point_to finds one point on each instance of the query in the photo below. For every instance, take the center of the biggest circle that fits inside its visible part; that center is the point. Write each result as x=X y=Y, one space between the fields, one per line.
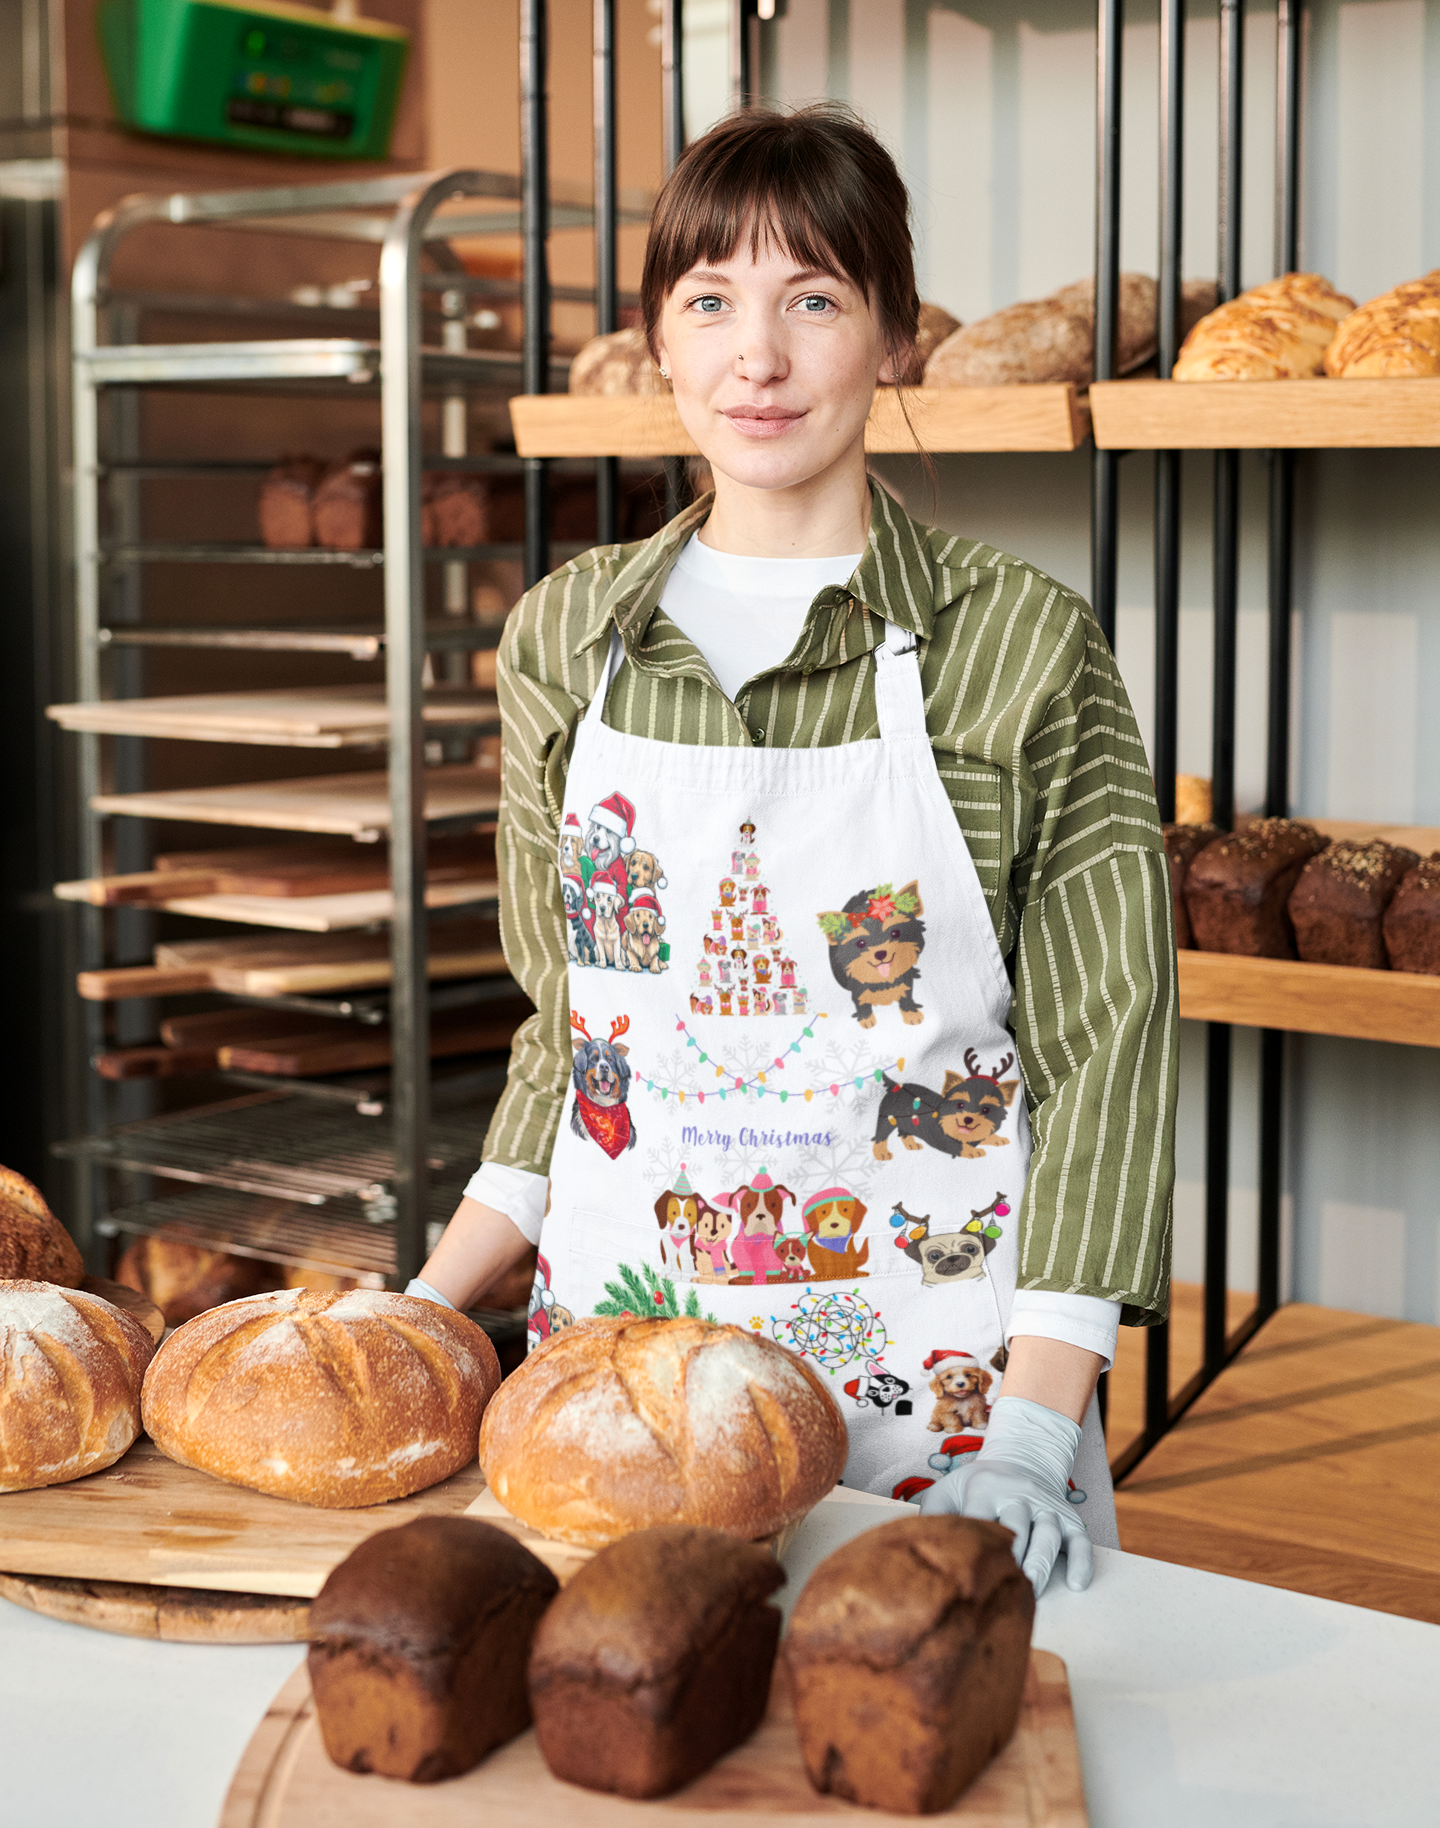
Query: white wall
x=989 y=106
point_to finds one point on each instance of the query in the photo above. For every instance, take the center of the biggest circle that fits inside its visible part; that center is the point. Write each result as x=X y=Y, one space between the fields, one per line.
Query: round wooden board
x=176 y=1615
x=137 y=1306
x=285 y=1780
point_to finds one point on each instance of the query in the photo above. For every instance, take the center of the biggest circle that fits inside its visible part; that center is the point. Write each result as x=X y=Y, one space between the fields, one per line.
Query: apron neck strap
x=899 y=692
x=595 y=712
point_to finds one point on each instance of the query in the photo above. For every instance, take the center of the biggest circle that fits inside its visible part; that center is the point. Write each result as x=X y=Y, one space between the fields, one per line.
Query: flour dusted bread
x=419 y=1643
x=618 y=363
x=33 y=1242
x=1395 y=334
x=332 y=1399
x=184 y=1280
x=70 y=1371
x=908 y=1652
x=655 y=1660
x=1275 y=332
x=619 y=1425
x=1338 y=903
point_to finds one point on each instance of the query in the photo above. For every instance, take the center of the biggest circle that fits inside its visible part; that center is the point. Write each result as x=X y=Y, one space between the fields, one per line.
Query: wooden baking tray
x=296 y=717
x=345 y=805
x=175 y=1615
x=284 y=1779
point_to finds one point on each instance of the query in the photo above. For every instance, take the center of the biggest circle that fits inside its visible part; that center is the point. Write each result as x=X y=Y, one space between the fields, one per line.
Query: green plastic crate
x=264 y=76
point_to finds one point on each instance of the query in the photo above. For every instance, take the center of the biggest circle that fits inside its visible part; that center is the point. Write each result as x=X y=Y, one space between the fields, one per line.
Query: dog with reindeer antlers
x=963 y=1118
x=600 y=1073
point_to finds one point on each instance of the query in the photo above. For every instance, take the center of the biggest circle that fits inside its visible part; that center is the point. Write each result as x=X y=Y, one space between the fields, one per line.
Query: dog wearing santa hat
x=644 y=924
x=959 y=1386
x=610 y=833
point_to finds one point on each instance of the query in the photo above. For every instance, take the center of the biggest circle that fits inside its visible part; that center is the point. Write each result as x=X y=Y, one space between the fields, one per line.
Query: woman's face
x=774 y=365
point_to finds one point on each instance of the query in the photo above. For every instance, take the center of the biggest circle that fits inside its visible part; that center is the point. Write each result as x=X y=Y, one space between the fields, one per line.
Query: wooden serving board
x=325 y=913
x=130 y=1301
x=285 y=1780
x=347 y=805
x=176 y=1615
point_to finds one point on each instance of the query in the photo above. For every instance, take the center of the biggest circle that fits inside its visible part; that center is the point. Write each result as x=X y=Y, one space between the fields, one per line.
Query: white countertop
x=1200 y=1703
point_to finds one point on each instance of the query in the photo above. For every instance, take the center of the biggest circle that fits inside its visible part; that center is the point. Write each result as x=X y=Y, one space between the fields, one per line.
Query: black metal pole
x=1222 y=767
x=744 y=52
x=672 y=76
x=535 y=285
x=1288 y=27
x=607 y=300
x=1105 y=465
x=1167 y=537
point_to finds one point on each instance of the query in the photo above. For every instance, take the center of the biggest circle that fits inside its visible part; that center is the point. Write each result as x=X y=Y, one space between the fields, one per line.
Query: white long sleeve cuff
x=516 y=1192
x=1086 y=1321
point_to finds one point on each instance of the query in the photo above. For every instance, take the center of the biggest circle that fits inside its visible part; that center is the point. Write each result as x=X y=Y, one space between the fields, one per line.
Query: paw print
x=756 y=1323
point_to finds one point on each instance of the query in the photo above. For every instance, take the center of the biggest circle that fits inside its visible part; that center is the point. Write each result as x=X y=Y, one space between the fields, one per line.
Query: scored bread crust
x=70 y=1371
x=619 y=1425
x=33 y=1242
x=337 y=1400
x=1275 y=332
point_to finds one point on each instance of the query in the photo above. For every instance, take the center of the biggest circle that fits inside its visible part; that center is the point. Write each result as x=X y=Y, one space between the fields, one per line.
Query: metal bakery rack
x=345 y=1174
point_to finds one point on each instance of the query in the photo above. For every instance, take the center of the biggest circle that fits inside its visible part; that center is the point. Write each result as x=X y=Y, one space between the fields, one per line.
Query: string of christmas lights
x=756 y=1083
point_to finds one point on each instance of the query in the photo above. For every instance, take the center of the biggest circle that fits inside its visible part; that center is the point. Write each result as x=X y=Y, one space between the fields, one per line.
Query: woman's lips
x=761 y=422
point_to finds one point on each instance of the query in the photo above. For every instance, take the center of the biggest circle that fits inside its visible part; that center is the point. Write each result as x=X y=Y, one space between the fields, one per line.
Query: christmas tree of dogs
x=743 y=969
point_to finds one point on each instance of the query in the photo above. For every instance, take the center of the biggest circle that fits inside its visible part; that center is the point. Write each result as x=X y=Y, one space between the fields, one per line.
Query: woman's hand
x=475 y=1250
x=1020 y=1477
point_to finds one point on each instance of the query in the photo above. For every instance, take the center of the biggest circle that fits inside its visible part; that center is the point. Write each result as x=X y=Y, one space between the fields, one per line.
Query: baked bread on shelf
x=454 y=509
x=908 y=1652
x=1194 y=799
x=1395 y=334
x=1338 y=904
x=619 y=1425
x=33 y=1242
x=617 y=363
x=1183 y=844
x=419 y=1643
x=655 y=1660
x=333 y=1400
x=184 y=1280
x=70 y=1372
x=1275 y=332
x=347 y=507
x=1053 y=339
x=287 y=502
x=932 y=327
x=1412 y=920
x=1238 y=888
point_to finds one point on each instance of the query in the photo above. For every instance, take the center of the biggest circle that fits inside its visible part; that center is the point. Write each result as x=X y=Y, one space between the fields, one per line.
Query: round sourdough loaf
x=70 y=1371
x=618 y=1425
x=33 y=1242
x=332 y=1399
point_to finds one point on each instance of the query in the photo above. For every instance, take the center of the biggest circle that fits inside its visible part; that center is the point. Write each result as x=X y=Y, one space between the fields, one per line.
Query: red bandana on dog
x=609 y=1124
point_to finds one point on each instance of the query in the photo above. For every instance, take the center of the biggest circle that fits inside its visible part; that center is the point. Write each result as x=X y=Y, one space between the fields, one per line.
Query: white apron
x=795 y=1104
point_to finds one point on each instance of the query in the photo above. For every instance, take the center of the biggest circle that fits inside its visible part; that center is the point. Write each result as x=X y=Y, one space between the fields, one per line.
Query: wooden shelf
x=347 y=805
x=306 y=913
x=1264 y=415
x=339 y=717
x=1038 y=418
x=1310 y=999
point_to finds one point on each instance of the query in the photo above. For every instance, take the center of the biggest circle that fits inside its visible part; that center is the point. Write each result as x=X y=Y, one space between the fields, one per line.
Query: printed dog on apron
x=795 y=1104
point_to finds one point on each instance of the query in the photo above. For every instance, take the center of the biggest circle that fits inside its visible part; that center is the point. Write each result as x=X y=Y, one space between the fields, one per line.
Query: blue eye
x=815 y=303
x=710 y=304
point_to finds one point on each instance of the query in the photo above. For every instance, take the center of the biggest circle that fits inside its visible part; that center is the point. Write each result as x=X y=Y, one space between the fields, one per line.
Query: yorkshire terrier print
x=875 y=944
x=963 y=1118
x=601 y=1077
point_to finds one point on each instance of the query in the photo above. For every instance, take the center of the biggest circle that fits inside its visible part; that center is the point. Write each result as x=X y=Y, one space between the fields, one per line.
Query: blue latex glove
x=426 y=1292
x=1020 y=1478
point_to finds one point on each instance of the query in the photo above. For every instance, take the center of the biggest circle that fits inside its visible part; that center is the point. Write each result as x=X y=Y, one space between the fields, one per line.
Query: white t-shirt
x=745 y=616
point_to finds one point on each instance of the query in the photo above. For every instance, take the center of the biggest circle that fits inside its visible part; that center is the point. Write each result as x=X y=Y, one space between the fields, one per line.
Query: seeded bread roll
x=1338 y=904
x=287 y=502
x=419 y=1643
x=1395 y=334
x=1237 y=889
x=655 y=1660
x=70 y=1371
x=1275 y=332
x=184 y=1280
x=334 y=1400
x=908 y=1652
x=347 y=507
x=33 y=1242
x=1412 y=921
x=1183 y=843
x=619 y=1425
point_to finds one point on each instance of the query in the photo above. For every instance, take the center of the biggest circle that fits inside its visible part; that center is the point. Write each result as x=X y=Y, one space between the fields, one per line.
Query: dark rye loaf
x=1183 y=844
x=1338 y=904
x=1237 y=891
x=1412 y=921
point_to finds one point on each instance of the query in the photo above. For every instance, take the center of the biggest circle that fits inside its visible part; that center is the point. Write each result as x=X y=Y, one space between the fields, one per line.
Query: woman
x=866 y=804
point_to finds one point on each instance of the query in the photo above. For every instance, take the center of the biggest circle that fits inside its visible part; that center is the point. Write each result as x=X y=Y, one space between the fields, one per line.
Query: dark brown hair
x=816 y=181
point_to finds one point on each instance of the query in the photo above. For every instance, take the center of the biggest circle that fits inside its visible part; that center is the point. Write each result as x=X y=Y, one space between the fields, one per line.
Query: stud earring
x=664 y=374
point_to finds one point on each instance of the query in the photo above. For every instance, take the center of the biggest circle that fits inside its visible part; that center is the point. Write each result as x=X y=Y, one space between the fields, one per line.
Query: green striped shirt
x=1040 y=757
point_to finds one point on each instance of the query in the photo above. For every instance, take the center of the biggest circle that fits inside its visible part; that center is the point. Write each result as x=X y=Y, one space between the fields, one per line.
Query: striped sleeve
x=1096 y=1012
